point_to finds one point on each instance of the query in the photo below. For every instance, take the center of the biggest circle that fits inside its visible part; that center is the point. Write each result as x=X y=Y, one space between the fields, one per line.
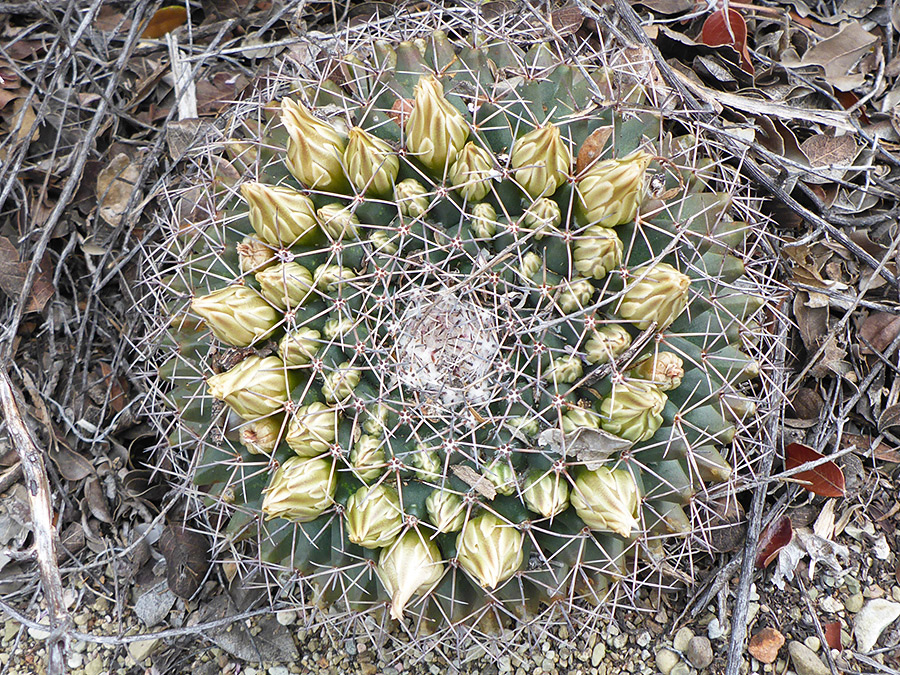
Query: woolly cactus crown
x=456 y=334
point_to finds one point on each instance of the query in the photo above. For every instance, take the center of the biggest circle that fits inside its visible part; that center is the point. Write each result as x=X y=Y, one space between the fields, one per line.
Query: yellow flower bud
x=412 y=566
x=427 y=464
x=542 y=160
x=254 y=388
x=371 y=164
x=579 y=418
x=384 y=241
x=472 y=171
x=530 y=266
x=338 y=385
x=633 y=410
x=490 y=549
x=484 y=221
x=298 y=347
x=280 y=215
x=656 y=293
x=374 y=516
x=330 y=278
x=412 y=198
x=254 y=255
x=375 y=420
x=543 y=215
x=606 y=343
x=315 y=149
x=338 y=221
x=286 y=285
x=312 y=429
x=664 y=369
x=610 y=191
x=575 y=296
x=546 y=493
x=237 y=315
x=606 y=500
x=338 y=327
x=301 y=490
x=597 y=251
x=261 y=436
x=503 y=476
x=367 y=458
x=565 y=370
x=446 y=511
x=435 y=131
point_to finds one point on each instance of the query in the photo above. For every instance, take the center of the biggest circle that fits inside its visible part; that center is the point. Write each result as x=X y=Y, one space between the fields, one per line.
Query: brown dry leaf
x=474 y=480
x=889 y=418
x=592 y=149
x=840 y=54
x=829 y=156
x=12 y=277
x=218 y=91
x=96 y=500
x=165 y=20
x=72 y=466
x=811 y=321
x=116 y=388
x=878 y=331
x=115 y=184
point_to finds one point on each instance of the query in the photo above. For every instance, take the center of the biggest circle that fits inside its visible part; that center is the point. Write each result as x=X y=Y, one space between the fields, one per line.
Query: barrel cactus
x=456 y=334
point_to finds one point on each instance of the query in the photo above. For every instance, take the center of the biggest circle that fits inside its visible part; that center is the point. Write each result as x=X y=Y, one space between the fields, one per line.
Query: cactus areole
x=393 y=316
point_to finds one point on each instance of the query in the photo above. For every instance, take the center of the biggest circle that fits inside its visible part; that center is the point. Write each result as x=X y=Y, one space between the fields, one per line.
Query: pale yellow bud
x=597 y=251
x=254 y=388
x=503 y=476
x=261 y=436
x=546 y=493
x=472 y=171
x=286 y=285
x=541 y=160
x=446 y=511
x=384 y=241
x=565 y=370
x=436 y=131
x=664 y=369
x=374 y=516
x=484 y=221
x=254 y=255
x=412 y=198
x=375 y=420
x=315 y=149
x=312 y=429
x=575 y=296
x=427 y=464
x=579 y=418
x=610 y=191
x=543 y=216
x=606 y=343
x=337 y=327
x=338 y=385
x=412 y=566
x=301 y=490
x=656 y=293
x=367 y=457
x=530 y=266
x=633 y=410
x=280 y=215
x=489 y=549
x=237 y=315
x=606 y=500
x=338 y=221
x=371 y=163
x=298 y=347
x=330 y=278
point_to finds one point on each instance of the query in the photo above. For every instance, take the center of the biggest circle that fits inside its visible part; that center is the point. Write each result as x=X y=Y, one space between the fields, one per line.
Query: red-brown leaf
x=717 y=30
x=774 y=538
x=826 y=479
x=833 y=635
x=165 y=20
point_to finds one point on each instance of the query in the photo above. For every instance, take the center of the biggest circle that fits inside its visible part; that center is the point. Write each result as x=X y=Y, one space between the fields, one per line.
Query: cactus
x=407 y=305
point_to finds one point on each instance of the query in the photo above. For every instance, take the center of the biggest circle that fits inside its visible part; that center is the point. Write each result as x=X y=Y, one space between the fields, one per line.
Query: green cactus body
x=435 y=302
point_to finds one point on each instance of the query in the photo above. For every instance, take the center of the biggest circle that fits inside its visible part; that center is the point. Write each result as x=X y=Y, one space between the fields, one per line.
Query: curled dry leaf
x=826 y=479
x=775 y=537
x=165 y=20
x=591 y=446
x=727 y=27
x=187 y=559
x=115 y=185
x=592 y=149
x=878 y=331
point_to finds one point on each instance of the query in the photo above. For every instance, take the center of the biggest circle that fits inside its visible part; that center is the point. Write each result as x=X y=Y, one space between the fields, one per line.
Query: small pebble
x=286 y=617
x=666 y=660
x=805 y=660
x=813 y=643
x=854 y=602
x=681 y=668
x=598 y=654
x=699 y=652
x=715 y=630
x=870 y=622
x=682 y=637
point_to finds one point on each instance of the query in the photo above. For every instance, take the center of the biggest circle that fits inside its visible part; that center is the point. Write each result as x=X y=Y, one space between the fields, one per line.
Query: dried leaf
x=593 y=447
x=878 y=331
x=592 y=148
x=115 y=184
x=12 y=278
x=164 y=20
x=890 y=417
x=840 y=53
x=71 y=465
x=96 y=500
x=187 y=559
x=829 y=156
x=881 y=452
x=475 y=480
x=774 y=538
x=832 y=632
x=825 y=479
x=731 y=29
